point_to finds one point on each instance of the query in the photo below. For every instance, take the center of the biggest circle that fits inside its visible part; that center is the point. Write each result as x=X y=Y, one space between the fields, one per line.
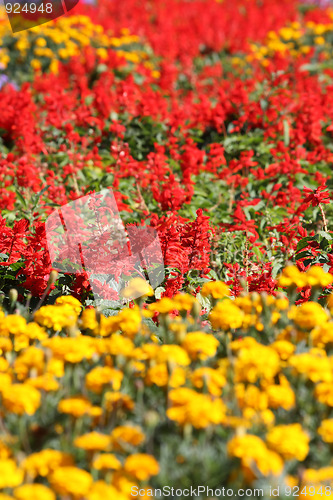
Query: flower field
x=212 y=123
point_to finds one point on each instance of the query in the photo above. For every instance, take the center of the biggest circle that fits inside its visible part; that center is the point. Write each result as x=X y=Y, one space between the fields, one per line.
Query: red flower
x=317 y=196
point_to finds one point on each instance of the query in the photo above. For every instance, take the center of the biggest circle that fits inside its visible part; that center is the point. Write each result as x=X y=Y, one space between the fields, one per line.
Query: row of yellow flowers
x=88 y=401
x=45 y=46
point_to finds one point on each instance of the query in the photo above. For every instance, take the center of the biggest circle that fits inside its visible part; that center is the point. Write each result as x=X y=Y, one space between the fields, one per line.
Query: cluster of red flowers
x=202 y=148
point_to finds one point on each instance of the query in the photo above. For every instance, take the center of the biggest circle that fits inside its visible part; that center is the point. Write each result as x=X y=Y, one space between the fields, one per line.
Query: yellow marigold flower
x=55 y=367
x=21 y=342
x=290 y=441
x=5 y=381
x=3 y=496
x=93 y=441
x=44 y=382
x=10 y=474
x=259 y=417
x=129 y=321
x=200 y=345
x=324 y=393
x=103 y=491
x=118 y=400
x=215 y=289
x=163 y=306
x=284 y=348
x=102 y=53
x=280 y=396
x=44 y=462
x=308 y=315
x=77 y=406
x=251 y=450
x=126 y=434
x=118 y=345
x=326 y=430
x=200 y=410
x=184 y=301
x=6 y=345
x=137 y=287
x=56 y=317
x=32 y=359
x=88 y=320
x=159 y=375
x=251 y=397
x=35 y=332
x=314 y=364
x=172 y=354
x=71 y=301
x=73 y=350
x=316 y=276
x=322 y=335
x=12 y=325
x=255 y=361
x=34 y=492
x=4 y=364
x=226 y=315
x=141 y=466
x=214 y=380
x=291 y=276
x=324 y=474
x=40 y=42
x=5 y=452
x=103 y=375
x=35 y=63
x=106 y=461
x=71 y=481
x=21 y=398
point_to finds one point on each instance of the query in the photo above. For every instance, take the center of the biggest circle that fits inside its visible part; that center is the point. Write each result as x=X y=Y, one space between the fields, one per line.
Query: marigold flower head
x=322 y=335
x=72 y=350
x=129 y=321
x=308 y=315
x=118 y=400
x=70 y=301
x=137 y=287
x=316 y=276
x=326 y=430
x=252 y=450
x=71 y=481
x=226 y=316
x=10 y=474
x=214 y=380
x=33 y=492
x=93 y=441
x=200 y=345
x=141 y=466
x=126 y=434
x=106 y=461
x=255 y=361
x=215 y=289
x=21 y=399
x=314 y=364
x=290 y=441
x=172 y=354
x=76 y=406
x=43 y=462
x=101 y=376
x=291 y=276
x=199 y=410
x=103 y=491
x=56 y=316
x=12 y=324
